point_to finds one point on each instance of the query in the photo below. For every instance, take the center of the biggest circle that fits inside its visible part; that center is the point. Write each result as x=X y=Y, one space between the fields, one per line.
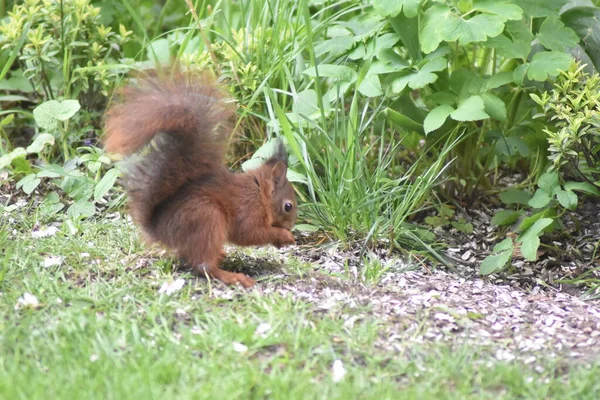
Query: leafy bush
x=573 y=106
x=63 y=50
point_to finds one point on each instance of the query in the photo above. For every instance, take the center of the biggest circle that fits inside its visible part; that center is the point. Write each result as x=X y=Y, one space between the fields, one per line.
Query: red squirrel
x=181 y=195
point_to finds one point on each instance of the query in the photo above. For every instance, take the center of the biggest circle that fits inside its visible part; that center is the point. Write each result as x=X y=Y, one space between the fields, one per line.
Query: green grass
x=103 y=331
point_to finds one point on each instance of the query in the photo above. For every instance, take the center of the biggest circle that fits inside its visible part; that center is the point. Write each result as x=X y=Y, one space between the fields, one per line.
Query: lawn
x=102 y=329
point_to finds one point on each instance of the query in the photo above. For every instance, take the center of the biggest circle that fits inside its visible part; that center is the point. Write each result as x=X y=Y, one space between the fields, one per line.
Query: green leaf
x=496 y=261
x=515 y=196
x=81 y=208
x=29 y=183
x=582 y=187
x=297 y=177
x=541 y=8
x=39 y=143
x=408 y=29
x=501 y=8
x=547 y=63
x=519 y=74
x=50 y=113
x=370 y=86
x=159 y=51
x=540 y=199
x=106 y=183
x=7 y=159
x=391 y=8
x=500 y=79
x=567 y=199
x=436 y=118
x=554 y=35
x=306 y=228
x=548 y=181
x=335 y=46
x=585 y=21
x=340 y=72
x=421 y=78
x=515 y=43
x=494 y=106
x=471 y=109
x=464 y=227
x=530 y=239
x=441 y=24
x=403 y=121
x=506 y=217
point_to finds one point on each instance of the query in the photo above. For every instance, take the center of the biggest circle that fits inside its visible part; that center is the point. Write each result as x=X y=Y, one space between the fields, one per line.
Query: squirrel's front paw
x=285 y=238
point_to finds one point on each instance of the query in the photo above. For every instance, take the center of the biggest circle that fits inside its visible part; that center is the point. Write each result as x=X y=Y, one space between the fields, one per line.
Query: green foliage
x=572 y=108
x=67 y=52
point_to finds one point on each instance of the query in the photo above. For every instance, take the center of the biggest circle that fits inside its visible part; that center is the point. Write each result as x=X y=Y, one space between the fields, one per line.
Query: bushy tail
x=179 y=128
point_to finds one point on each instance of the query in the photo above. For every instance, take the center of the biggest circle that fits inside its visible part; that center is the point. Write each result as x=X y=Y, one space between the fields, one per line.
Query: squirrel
x=181 y=195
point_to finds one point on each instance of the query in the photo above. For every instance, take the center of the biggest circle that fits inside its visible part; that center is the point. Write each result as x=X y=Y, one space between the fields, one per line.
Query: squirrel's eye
x=288 y=207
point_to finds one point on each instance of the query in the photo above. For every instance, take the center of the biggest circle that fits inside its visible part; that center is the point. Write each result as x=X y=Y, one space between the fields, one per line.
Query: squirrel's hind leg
x=229 y=278
x=207 y=252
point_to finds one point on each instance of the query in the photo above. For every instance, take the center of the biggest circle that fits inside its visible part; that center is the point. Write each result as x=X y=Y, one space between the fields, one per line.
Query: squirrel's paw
x=234 y=279
x=285 y=239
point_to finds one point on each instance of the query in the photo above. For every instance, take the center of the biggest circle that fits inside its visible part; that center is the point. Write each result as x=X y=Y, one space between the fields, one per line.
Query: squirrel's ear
x=279 y=172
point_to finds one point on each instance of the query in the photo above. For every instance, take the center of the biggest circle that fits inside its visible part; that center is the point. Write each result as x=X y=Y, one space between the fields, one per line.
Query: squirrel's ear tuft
x=279 y=172
x=279 y=154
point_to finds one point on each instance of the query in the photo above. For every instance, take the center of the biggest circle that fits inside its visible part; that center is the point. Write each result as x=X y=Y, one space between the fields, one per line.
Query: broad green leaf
x=499 y=79
x=296 y=177
x=81 y=208
x=6 y=159
x=541 y=8
x=48 y=114
x=540 y=199
x=440 y=23
x=443 y=98
x=471 y=109
x=548 y=181
x=403 y=121
x=515 y=196
x=506 y=217
x=555 y=36
x=29 y=183
x=494 y=106
x=391 y=8
x=106 y=183
x=430 y=36
x=496 y=261
x=464 y=82
x=39 y=143
x=436 y=118
x=335 y=46
x=421 y=78
x=370 y=86
x=464 y=227
x=306 y=228
x=408 y=29
x=515 y=43
x=13 y=98
x=305 y=103
x=501 y=8
x=585 y=21
x=567 y=199
x=340 y=72
x=519 y=74
x=159 y=51
x=252 y=164
x=547 y=63
x=582 y=187
x=530 y=241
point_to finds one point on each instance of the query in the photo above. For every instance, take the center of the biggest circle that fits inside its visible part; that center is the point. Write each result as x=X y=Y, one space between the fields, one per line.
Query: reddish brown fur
x=180 y=193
